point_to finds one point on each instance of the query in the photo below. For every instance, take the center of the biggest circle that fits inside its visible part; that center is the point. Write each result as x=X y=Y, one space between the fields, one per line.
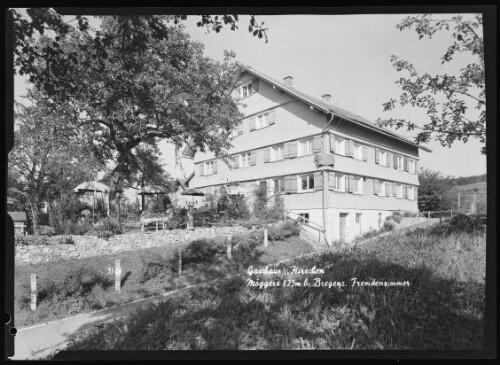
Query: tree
x=144 y=88
x=436 y=192
x=45 y=21
x=447 y=99
x=48 y=157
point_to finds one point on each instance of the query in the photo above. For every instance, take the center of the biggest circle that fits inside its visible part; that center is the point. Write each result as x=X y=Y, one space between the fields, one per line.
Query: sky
x=347 y=56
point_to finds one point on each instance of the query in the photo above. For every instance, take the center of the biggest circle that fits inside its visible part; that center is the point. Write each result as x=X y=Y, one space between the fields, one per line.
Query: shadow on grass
x=432 y=313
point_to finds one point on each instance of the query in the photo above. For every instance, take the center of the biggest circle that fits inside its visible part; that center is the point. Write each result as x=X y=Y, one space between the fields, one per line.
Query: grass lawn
x=70 y=287
x=442 y=308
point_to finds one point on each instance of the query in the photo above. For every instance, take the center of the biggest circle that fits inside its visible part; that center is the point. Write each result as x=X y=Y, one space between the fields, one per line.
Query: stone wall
x=89 y=246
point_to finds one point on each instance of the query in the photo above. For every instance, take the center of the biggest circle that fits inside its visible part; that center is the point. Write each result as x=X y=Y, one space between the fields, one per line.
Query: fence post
x=33 y=292
x=179 y=264
x=440 y=217
x=428 y=214
x=265 y=237
x=118 y=275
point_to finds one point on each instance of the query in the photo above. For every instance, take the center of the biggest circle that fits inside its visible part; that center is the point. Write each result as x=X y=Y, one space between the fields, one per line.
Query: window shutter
x=365 y=153
x=267 y=154
x=292 y=149
x=293 y=183
x=252 y=122
x=286 y=181
x=350 y=148
x=239 y=128
x=405 y=164
x=214 y=170
x=394 y=189
x=332 y=143
x=376 y=186
x=202 y=170
x=377 y=155
x=318 y=180
x=350 y=183
x=395 y=161
x=253 y=158
x=318 y=144
x=271 y=117
x=416 y=167
x=286 y=150
x=415 y=189
x=388 y=188
x=331 y=180
x=255 y=85
x=236 y=161
x=405 y=191
x=389 y=159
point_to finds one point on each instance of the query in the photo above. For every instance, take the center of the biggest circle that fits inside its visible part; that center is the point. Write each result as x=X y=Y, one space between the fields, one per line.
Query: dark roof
x=324 y=106
x=18 y=216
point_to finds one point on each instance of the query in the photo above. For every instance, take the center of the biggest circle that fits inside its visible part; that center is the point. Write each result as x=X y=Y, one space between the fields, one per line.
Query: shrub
x=245 y=247
x=81 y=281
x=283 y=231
x=202 y=250
x=389 y=225
x=46 y=230
x=460 y=223
x=154 y=266
x=105 y=228
x=396 y=217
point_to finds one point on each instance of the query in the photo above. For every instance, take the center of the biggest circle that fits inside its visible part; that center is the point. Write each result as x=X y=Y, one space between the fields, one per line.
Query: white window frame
x=276 y=152
x=382 y=158
x=358 y=151
x=400 y=163
x=382 y=189
x=279 y=185
x=411 y=166
x=340 y=144
x=245 y=90
x=399 y=193
x=309 y=179
x=305 y=147
x=411 y=192
x=262 y=121
x=337 y=178
x=245 y=159
x=208 y=168
x=358 y=185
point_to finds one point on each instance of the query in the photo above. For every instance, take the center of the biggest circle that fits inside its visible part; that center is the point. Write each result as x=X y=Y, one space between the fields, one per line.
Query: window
x=278 y=184
x=306 y=182
x=400 y=163
x=305 y=147
x=411 y=166
x=209 y=168
x=276 y=153
x=358 y=218
x=411 y=192
x=245 y=90
x=382 y=158
x=358 y=185
x=382 y=189
x=358 y=151
x=400 y=191
x=340 y=146
x=262 y=121
x=245 y=159
x=305 y=217
x=339 y=182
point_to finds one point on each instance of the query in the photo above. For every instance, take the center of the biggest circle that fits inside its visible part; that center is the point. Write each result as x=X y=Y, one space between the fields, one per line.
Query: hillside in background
x=465 y=180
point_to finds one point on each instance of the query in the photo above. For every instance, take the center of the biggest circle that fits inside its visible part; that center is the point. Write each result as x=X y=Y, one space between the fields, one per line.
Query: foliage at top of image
x=447 y=99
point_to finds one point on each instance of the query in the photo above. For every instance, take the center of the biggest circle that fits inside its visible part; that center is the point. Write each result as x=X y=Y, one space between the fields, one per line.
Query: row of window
x=338 y=182
x=402 y=163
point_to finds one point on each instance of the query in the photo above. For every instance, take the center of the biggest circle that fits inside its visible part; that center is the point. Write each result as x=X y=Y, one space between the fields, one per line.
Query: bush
x=460 y=223
x=202 y=250
x=104 y=228
x=154 y=266
x=283 y=230
x=81 y=281
x=389 y=225
x=46 y=230
x=396 y=217
x=245 y=247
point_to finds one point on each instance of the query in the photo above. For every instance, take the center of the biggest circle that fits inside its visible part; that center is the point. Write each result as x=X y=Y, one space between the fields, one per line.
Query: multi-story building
x=336 y=169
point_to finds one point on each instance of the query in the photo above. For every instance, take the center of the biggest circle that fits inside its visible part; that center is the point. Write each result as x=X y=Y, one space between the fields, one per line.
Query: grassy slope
x=102 y=296
x=443 y=308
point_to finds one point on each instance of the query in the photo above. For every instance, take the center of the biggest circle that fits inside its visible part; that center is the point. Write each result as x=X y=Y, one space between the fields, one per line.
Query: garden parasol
x=93 y=186
x=192 y=192
x=152 y=190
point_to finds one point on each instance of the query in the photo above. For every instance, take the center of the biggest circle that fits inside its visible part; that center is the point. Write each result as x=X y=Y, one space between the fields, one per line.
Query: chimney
x=288 y=81
x=327 y=98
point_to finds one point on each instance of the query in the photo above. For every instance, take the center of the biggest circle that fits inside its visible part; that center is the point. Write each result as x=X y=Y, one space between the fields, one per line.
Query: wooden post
x=142 y=227
x=265 y=237
x=118 y=276
x=229 y=248
x=179 y=265
x=156 y=226
x=428 y=214
x=33 y=292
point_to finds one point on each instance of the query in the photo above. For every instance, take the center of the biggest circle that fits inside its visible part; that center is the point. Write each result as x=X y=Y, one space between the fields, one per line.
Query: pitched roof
x=18 y=216
x=324 y=106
